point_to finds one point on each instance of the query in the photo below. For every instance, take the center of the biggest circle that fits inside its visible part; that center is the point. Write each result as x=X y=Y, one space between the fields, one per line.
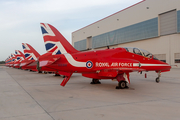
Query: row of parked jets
x=63 y=59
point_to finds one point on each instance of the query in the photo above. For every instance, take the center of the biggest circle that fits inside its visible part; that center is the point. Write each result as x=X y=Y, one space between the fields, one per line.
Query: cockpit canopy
x=141 y=52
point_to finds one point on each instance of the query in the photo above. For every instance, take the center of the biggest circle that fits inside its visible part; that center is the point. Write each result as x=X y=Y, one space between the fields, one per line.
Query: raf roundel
x=89 y=64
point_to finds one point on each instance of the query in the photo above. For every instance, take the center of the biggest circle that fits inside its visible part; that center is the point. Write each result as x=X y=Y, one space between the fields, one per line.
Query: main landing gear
x=95 y=81
x=158 y=78
x=122 y=85
x=123 y=79
x=57 y=74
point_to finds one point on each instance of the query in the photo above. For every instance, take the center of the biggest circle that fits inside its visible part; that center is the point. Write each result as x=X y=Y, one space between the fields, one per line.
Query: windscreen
x=140 y=52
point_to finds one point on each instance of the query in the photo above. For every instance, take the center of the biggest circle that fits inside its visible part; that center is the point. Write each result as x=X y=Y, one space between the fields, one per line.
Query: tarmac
x=28 y=95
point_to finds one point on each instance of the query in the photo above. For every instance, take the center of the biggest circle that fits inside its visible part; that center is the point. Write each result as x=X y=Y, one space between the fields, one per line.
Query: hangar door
x=168 y=22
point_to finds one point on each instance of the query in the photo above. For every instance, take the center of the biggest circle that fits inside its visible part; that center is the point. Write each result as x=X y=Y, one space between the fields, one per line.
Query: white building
x=153 y=25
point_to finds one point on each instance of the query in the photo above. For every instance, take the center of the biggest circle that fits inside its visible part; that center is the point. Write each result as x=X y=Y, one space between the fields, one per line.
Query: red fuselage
x=109 y=61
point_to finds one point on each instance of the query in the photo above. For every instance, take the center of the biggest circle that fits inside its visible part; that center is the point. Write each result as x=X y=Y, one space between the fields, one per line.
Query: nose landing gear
x=158 y=78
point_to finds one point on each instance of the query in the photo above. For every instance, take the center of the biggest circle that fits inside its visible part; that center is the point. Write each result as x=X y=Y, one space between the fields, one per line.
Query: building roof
x=111 y=15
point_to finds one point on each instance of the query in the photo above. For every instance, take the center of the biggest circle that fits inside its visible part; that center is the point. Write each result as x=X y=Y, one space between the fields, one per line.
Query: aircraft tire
x=95 y=81
x=157 y=80
x=122 y=85
x=57 y=75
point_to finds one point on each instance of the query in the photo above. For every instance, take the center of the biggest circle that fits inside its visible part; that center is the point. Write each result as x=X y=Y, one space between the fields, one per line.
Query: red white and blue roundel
x=89 y=64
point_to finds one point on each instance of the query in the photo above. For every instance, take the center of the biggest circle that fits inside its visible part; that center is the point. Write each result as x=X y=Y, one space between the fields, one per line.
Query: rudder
x=29 y=52
x=55 y=41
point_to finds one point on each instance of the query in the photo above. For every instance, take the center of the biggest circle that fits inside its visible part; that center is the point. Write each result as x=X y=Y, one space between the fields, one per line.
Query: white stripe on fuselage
x=136 y=64
x=142 y=64
x=154 y=65
x=73 y=62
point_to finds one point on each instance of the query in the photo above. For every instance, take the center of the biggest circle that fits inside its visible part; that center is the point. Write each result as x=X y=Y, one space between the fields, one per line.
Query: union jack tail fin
x=29 y=52
x=19 y=55
x=13 y=57
x=55 y=41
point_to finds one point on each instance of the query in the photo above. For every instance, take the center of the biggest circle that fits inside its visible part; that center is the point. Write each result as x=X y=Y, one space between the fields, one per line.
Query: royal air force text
x=114 y=64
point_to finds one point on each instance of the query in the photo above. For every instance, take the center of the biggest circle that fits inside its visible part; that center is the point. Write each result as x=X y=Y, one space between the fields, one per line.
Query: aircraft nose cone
x=167 y=67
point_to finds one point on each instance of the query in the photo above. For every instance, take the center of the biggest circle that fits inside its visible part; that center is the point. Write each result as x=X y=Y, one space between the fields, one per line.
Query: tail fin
x=12 y=57
x=29 y=52
x=8 y=59
x=55 y=41
x=19 y=55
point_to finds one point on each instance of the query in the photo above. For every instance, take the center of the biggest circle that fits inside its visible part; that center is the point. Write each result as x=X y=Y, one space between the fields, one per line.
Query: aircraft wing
x=122 y=69
x=107 y=70
x=25 y=63
x=33 y=63
x=113 y=72
x=47 y=62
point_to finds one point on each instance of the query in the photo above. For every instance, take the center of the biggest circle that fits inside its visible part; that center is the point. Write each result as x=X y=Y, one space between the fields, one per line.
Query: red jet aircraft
x=115 y=64
x=11 y=60
x=8 y=60
x=31 y=56
x=19 y=58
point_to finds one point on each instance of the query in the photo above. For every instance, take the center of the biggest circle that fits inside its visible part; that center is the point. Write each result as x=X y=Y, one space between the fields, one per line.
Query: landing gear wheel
x=122 y=85
x=95 y=81
x=157 y=80
x=57 y=75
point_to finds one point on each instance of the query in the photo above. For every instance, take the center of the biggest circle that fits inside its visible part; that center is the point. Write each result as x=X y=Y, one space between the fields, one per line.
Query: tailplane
x=55 y=41
x=29 y=52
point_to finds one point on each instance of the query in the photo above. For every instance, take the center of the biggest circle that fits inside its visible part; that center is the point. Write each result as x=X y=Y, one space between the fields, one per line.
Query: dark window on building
x=177 y=60
x=177 y=57
x=161 y=57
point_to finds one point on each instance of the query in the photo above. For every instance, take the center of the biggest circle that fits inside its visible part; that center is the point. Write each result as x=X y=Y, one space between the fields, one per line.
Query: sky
x=20 y=19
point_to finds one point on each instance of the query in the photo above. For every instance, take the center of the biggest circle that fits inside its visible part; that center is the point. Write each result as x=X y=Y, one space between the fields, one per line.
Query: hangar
x=153 y=25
